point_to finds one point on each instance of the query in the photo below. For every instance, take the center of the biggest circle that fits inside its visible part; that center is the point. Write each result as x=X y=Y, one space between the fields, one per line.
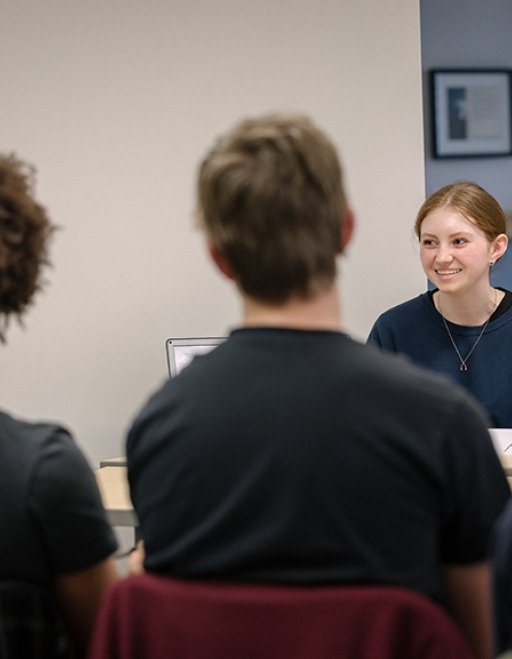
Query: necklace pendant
x=463 y=365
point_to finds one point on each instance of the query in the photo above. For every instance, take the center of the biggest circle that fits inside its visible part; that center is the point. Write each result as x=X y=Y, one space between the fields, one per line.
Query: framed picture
x=471 y=112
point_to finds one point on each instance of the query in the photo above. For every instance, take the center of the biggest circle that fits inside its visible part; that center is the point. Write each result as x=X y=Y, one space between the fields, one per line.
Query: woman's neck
x=469 y=310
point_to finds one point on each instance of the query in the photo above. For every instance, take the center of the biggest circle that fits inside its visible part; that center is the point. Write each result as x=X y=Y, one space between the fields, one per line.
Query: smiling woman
x=463 y=325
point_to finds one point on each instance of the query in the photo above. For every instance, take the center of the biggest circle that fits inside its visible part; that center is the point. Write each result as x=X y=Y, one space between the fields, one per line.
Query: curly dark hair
x=25 y=232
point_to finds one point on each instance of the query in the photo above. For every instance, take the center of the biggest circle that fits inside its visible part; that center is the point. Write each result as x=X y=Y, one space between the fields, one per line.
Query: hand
x=136 y=559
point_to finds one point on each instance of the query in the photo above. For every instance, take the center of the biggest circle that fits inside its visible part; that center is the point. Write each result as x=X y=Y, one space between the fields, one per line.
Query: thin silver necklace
x=464 y=362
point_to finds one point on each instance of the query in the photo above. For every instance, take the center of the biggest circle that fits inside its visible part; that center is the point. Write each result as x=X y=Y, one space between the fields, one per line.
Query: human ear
x=220 y=261
x=347 y=229
x=498 y=247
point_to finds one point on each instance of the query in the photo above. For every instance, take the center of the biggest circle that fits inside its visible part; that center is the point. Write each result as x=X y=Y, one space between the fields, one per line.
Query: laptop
x=502 y=440
x=181 y=351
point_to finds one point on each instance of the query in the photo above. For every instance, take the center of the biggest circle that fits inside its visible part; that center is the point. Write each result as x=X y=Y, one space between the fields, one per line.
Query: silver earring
x=491 y=263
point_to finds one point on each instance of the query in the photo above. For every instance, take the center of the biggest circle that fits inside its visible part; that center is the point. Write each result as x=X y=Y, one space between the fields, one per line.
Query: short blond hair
x=271 y=200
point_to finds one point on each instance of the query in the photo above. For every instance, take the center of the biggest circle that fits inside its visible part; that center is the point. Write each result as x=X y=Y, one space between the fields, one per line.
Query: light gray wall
x=116 y=101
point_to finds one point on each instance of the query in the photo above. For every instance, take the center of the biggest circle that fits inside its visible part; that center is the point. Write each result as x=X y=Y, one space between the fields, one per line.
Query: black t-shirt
x=51 y=515
x=289 y=456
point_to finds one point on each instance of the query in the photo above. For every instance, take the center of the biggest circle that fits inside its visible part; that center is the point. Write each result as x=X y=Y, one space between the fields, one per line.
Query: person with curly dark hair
x=25 y=231
x=55 y=533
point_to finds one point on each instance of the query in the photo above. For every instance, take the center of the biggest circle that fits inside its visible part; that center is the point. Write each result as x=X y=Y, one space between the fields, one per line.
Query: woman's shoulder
x=409 y=318
x=407 y=309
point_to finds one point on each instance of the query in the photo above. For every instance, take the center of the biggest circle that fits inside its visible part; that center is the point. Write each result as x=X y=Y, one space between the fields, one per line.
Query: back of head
x=472 y=201
x=271 y=201
x=24 y=233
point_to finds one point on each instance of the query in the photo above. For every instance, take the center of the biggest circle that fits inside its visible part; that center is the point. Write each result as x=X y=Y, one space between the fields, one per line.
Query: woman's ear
x=499 y=247
x=220 y=261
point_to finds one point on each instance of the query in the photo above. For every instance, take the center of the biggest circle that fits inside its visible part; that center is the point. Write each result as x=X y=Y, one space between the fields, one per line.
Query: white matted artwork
x=471 y=112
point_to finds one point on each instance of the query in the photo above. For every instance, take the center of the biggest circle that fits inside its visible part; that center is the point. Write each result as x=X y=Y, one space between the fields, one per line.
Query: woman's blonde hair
x=472 y=201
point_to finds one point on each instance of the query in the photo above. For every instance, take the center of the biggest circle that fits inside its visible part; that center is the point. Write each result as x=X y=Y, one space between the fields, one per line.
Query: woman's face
x=455 y=253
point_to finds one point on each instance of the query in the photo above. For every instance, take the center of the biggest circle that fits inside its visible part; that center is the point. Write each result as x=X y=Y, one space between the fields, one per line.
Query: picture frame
x=471 y=113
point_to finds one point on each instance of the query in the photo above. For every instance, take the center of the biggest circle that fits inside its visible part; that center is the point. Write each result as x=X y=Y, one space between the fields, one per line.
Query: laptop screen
x=502 y=440
x=181 y=351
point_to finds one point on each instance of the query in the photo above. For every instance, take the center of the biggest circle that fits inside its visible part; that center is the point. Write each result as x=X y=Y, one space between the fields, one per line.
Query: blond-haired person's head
x=271 y=202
